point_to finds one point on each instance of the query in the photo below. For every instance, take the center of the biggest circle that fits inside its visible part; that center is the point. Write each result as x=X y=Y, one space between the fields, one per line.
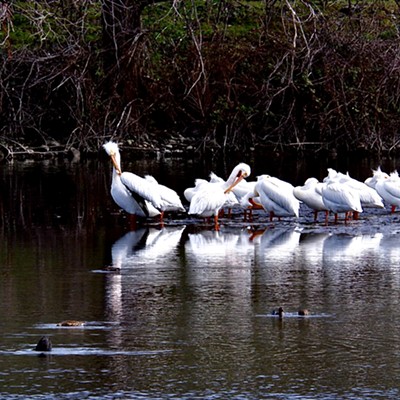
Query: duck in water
x=303 y=312
x=44 y=344
x=278 y=312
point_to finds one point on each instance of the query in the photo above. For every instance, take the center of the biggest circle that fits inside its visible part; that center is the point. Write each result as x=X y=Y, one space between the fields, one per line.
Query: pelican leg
x=315 y=215
x=336 y=218
x=326 y=217
x=250 y=213
x=162 y=219
x=392 y=210
x=356 y=215
x=216 y=224
x=271 y=216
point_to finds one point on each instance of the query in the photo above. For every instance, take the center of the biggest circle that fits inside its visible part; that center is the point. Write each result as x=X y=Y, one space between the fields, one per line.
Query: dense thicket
x=224 y=73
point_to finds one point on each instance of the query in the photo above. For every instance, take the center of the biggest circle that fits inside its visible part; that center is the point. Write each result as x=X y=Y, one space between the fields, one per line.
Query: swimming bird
x=139 y=196
x=303 y=312
x=276 y=197
x=311 y=195
x=44 y=344
x=278 y=312
x=211 y=196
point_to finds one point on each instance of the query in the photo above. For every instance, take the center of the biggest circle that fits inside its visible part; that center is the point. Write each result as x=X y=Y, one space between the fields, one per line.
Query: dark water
x=189 y=313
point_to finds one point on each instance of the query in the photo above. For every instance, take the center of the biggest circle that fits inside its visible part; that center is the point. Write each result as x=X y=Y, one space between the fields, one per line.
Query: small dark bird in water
x=44 y=344
x=278 y=312
x=304 y=312
x=70 y=322
x=111 y=268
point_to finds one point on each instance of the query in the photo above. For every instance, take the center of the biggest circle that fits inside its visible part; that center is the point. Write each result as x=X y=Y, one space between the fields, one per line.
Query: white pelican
x=376 y=175
x=389 y=189
x=170 y=199
x=190 y=192
x=211 y=196
x=134 y=194
x=244 y=193
x=369 y=197
x=249 y=201
x=339 y=197
x=276 y=197
x=231 y=200
x=311 y=195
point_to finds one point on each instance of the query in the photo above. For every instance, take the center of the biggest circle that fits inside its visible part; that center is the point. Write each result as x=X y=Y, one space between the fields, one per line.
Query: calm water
x=189 y=313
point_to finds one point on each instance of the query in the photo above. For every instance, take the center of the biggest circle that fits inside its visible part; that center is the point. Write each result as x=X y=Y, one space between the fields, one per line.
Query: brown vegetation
x=304 y=75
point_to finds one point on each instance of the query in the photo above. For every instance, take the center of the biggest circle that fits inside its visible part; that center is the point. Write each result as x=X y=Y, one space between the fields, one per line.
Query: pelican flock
x=144 y=197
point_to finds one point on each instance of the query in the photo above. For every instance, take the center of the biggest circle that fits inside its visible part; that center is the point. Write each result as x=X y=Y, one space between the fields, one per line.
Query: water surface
x=187 y=311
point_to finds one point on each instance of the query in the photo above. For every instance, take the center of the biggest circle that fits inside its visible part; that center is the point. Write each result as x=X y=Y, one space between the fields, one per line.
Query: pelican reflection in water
x=142 y=248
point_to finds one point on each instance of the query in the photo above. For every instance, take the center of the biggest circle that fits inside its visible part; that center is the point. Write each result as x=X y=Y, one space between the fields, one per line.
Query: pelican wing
x=312 y=197
x=170 y=199
x=280 y=194
x=393 y=188
x=339 y=198
x=139 y=187
x=208 y=200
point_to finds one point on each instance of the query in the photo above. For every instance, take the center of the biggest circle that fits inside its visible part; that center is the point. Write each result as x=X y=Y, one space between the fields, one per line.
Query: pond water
x=188 y=313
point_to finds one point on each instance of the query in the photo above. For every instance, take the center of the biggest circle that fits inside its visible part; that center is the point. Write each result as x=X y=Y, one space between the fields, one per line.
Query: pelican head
x=112 y=150
x=240 y=172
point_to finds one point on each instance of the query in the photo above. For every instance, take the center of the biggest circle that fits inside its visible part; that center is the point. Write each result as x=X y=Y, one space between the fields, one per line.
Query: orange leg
x=162 y=219
x=393 y=209
x=216 y=224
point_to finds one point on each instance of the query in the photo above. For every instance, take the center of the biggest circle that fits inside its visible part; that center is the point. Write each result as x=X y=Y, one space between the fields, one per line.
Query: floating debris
x=71 y=322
